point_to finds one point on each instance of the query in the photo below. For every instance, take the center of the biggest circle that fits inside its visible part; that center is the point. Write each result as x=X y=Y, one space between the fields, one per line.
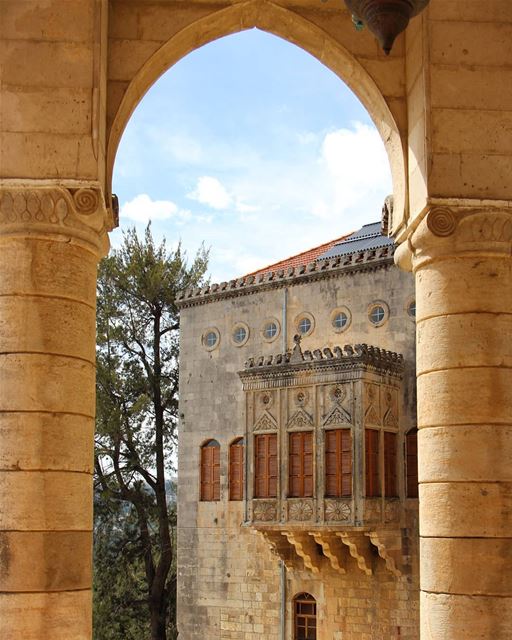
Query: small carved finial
x=338 y=352
x=386 y=222
x=317 y=354
x=349 y=350
x=328 y=353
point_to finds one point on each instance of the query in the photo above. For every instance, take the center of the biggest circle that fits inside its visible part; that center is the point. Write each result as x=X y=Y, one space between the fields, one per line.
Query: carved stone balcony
x=323 y=455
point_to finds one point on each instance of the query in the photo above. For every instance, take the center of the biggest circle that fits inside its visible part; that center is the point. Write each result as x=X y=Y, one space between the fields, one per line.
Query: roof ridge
x=277 y=265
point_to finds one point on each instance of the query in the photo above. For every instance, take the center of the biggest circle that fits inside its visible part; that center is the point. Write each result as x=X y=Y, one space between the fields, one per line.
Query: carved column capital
x=51 y=209
x=465 y=230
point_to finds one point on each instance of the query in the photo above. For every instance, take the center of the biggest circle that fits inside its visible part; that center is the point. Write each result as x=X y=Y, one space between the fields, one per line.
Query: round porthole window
x=411 y=309
x=211 y=339
x=240 y=334
x=271 y=329
x=341 y=319
x=305 y=324
x=378 y=313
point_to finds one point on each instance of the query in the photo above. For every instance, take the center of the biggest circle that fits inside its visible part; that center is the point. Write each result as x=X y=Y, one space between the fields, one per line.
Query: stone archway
x=290 y=26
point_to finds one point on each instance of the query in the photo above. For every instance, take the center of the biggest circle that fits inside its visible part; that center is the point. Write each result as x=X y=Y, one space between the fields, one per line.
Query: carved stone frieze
x=371 y=405
x=301 y=419
x=266 y=422
x=301 y=511
x=46 y=209
x=264 y=511
x=390 y=408
x=336 y=416
x=338 y=510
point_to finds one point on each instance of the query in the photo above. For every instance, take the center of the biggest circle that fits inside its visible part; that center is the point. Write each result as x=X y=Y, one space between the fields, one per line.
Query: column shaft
x=47 y=407
x=464 y=358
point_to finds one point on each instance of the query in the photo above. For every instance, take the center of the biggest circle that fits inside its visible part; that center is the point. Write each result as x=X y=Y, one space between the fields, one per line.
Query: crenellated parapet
x=364 y=260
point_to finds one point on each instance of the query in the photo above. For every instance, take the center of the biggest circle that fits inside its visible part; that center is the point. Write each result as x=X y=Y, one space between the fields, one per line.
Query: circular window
x=305 y=324
x=378 y=313
x=341 y=319
x=411 y=309
x=211 y=338
x=240 y=334
x=271 y=329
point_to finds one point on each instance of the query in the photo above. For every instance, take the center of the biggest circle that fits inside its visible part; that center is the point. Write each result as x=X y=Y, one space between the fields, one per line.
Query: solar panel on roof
x=368 y=237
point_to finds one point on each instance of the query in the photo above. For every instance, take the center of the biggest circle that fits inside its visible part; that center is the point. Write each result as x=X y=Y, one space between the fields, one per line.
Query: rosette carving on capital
x=48 y=209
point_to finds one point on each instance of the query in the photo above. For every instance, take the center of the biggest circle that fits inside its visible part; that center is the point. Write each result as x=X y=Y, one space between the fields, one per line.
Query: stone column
x=51 y=238
x=462 y=260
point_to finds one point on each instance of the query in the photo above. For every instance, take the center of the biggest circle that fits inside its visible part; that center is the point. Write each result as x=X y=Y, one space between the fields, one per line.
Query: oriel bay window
x=210 y=471
x=236 y=469
x=265 y=466
x=338 y=463
x=300 y=465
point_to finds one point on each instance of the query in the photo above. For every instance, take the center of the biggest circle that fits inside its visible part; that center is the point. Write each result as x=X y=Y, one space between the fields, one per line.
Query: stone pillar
x=462 y=260
x=51 y=237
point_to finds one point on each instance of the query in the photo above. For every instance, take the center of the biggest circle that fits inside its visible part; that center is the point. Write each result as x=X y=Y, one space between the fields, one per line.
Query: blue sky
x=254 y=147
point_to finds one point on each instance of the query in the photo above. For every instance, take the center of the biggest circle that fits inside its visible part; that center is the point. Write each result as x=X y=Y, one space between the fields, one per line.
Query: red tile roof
x=301 y=258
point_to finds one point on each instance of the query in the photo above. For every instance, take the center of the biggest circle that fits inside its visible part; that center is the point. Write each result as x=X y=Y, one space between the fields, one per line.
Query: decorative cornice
x=290 y=367
x=74 y=209
x=458 y=229
x=370 y=260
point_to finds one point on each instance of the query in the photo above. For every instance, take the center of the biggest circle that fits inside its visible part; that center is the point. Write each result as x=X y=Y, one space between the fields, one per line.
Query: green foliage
x=137 y=416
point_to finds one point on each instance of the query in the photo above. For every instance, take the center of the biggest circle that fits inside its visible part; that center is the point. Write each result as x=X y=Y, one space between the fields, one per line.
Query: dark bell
x=386 y=19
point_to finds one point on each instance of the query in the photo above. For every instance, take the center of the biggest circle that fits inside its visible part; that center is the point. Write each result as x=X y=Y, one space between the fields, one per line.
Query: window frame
x=268 y=477
x=209 y=487
x=304 y=599
x=239 y=446
x=372 y=475
x=302 y=477
x=340 y=468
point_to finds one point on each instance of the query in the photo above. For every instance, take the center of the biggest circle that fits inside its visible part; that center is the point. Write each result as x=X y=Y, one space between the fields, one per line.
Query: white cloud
x=143 y=209
x=211 y=192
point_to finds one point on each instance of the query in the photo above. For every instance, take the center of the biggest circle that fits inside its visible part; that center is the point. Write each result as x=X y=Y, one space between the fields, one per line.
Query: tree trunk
x=158 y=619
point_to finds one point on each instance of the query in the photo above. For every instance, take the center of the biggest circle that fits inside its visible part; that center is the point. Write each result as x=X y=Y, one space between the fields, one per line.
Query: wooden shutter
x=236 y=470
x=390 y=477
x=265 y=466
x=338 y=463
x=305 y=617
x=372 y=463
x=300 y=465
x=411 y=446
x=210 y=471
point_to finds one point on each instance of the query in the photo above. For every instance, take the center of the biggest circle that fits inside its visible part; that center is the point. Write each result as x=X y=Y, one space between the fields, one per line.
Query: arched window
x=411 y=463
x=210 y=471
x=304 y=617
x=236 y=469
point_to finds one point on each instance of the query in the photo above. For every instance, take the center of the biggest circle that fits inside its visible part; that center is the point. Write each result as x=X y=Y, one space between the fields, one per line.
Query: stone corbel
x=305 y=549
x=333 y=549
x=74 y=210
x=389 y=546
x=359 y=548
x=280 y=548
x=466 y=228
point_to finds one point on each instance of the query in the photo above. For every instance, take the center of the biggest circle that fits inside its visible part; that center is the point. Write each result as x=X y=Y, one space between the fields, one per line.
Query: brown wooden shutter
x=265 y=466
x=390 y=475
x=338 y=463
x=300 y=465
x=372 y=463
x=210 y=471
x=236 y=470
x=411 y=445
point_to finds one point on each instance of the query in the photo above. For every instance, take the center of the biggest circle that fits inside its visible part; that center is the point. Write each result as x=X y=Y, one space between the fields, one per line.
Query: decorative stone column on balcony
x=462 y=260
x=355 y=389
x=51 y=238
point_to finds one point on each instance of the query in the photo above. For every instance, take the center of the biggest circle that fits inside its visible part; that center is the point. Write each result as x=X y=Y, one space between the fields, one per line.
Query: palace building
x=297 y=504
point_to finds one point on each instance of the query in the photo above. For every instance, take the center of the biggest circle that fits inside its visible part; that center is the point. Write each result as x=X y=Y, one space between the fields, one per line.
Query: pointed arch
x=290 y=26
